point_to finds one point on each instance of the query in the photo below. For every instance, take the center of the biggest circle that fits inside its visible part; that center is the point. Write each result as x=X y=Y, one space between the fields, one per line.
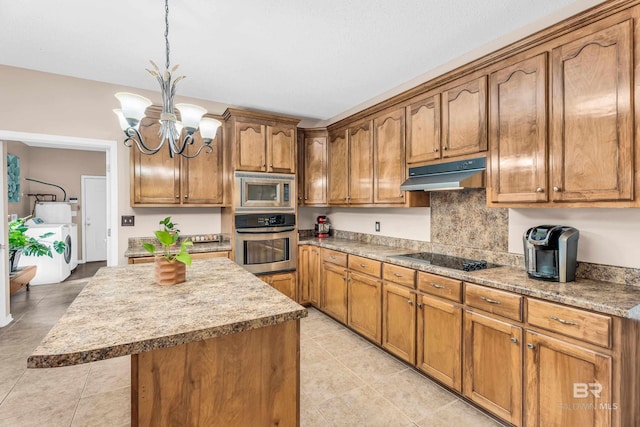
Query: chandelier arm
x=166 y=30
x=133 y=135
x=208 y=147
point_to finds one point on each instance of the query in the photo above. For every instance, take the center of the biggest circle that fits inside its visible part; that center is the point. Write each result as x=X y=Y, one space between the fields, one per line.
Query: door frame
x=83 y=207
x=72 y=143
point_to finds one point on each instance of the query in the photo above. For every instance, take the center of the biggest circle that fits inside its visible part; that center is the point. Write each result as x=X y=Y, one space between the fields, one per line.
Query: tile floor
x=345 y=380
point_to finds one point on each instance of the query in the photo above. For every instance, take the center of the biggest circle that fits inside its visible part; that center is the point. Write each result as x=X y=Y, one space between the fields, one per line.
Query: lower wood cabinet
x=399 y=321
x=566 y=385
x=364 y=305
x=309 y=275
x=439 y=340
x=284 y=282
x=334 y=291
x=493 y=365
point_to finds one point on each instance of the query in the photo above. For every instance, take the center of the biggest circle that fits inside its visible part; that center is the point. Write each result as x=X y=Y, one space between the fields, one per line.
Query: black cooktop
x=447 y=261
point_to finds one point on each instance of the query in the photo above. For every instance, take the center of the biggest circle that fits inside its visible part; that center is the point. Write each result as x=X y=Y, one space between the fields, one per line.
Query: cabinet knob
x=419 y=305
x=186 y=196
x=363 y=265
x=445 y=148
x=514 y=340
x=556 y=189
x=306 y=198
x=435 y=150
x=539 y=190
x=270 y=166
x=397 y=274
x=410 y=302
x=177 y=196
x=531 y=346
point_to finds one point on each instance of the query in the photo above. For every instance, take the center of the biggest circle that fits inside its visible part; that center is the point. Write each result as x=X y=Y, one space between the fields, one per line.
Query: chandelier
x=133 y=108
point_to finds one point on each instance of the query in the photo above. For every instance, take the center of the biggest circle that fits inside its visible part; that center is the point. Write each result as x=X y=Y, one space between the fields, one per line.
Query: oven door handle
x=263 y=230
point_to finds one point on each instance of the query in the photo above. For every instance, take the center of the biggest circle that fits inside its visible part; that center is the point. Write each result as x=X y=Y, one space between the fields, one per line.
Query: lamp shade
x=208 y=128
x=124 y=125
x=191 y=115
x=133 y=106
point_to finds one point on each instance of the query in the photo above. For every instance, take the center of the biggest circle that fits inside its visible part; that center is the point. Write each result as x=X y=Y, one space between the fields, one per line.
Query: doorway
x=94 y=218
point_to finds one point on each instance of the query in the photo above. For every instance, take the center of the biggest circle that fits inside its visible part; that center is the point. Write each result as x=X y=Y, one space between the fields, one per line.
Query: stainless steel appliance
x=266 y=242
x=447 y=261
x=456 y=175
x=550 y=252
x=261 y=192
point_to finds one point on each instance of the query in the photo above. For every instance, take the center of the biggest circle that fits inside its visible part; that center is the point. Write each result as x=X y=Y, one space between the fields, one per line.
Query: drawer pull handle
x=397 y=274
x=564 y=322
x=489 y=300
x=514 y=340
x=332 y=256
x=363 y=265
x=435 y=285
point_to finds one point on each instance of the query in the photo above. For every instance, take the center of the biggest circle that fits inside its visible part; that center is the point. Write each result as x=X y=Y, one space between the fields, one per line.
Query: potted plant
x=170 y=264
x=20 y=243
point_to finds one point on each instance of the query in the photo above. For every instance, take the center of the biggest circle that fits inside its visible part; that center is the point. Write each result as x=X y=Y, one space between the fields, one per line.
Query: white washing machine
x=74 y=246
x=56 y=268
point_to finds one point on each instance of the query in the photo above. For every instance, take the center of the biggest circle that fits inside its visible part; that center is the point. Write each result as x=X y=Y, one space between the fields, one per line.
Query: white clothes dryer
x=74 y=246
x=58 y=267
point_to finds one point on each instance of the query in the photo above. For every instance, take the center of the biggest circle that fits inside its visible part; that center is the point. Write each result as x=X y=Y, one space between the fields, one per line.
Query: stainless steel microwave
x=264 y=192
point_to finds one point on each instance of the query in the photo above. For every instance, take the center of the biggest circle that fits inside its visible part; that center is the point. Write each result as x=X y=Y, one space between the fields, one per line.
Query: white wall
x=607 y=236
x=403 y=223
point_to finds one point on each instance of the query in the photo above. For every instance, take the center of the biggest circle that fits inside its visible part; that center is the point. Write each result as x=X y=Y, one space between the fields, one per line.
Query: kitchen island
x=221 y=348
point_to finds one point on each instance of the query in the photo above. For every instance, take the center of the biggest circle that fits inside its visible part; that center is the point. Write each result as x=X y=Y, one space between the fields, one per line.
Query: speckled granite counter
x=135 y=249
x=604 y=297
x=121 y=312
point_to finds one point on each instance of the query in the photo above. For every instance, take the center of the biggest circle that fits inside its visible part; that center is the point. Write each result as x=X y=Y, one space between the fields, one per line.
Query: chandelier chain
x=166 y=30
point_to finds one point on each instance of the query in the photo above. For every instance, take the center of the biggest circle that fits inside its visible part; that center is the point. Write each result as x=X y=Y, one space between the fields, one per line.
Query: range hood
x=447 y=176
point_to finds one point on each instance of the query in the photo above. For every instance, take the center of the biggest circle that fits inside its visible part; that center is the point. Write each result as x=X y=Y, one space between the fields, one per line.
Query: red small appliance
x=322 y=226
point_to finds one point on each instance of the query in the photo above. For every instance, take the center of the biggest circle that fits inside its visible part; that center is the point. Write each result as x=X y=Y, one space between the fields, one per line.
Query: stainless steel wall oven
x=266 y=242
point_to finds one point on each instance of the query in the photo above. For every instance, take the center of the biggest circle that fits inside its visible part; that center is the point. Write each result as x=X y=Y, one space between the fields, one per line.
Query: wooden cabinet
x=566 y=384
x=159 y=180
x=364 y=305
x=360 y=163
x=309 y=275
x=261 y=142
x=338 y=172
x=423 y=130
x=389 y=168
x=592 y=130
x=314 y=182
x=518 y=132
x=284 y=282
x=464 y=118
x=334 y=291
x=493 y=365
x=399 y=321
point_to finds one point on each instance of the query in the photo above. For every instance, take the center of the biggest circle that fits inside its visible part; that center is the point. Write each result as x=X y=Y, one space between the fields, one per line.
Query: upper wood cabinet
x=423 y=130
x=159 y=180
x=592 y=135
x=262 y=142
x=361 y=163
x=518 y=132
x=338 y=173
x=464 y=118
x=389 y=157
x=314 y=149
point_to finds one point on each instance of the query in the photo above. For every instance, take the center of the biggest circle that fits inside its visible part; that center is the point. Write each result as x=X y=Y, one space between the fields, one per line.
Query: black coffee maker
x=550 y=252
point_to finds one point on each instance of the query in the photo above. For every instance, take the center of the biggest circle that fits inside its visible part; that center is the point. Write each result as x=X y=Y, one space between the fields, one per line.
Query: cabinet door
x=423 y=130
x=285 y=283
x=389 y=157
x=361 y=164
x=303 y=273
x=365 y=303
x=315 y=170
x=281 y=148
x=464 y=118
x=493 y=366
x=251 y=147
x=566 y=384
x=592 y=121
x=399 y=321
x=518 y=132
x=155 y=179
x=334 y=292
x=338 y=168
x=202 y=175
x=300 y=167
x=439 y=339
x=314 y=275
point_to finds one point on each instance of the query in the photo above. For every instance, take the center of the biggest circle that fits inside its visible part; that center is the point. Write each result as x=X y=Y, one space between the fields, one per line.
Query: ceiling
x=310 y=59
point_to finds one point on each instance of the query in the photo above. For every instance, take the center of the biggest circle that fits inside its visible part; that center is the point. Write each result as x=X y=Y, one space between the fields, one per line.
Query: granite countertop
x=122 y=311
x=137 y=251
x=604 y=297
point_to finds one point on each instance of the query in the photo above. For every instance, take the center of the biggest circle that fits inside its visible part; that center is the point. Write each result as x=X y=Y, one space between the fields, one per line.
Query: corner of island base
x=250 y=378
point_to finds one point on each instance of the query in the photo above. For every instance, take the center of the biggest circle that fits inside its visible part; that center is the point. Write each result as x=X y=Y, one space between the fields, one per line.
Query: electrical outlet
x=378 y=226
x=127 y=220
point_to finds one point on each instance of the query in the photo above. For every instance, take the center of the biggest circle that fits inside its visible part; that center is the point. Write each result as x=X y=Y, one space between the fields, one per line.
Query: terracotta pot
x=169 y=273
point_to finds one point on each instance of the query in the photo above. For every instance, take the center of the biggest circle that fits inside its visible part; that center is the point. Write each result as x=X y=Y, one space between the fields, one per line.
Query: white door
x=94 y=218
x=5 y=315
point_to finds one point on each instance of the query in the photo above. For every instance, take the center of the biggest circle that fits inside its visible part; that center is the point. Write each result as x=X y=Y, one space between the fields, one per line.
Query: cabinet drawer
x=494 y=301
x=443 y=287
x=334 y=257
x=573 y=322
x=401 y=275
x=365 y=265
